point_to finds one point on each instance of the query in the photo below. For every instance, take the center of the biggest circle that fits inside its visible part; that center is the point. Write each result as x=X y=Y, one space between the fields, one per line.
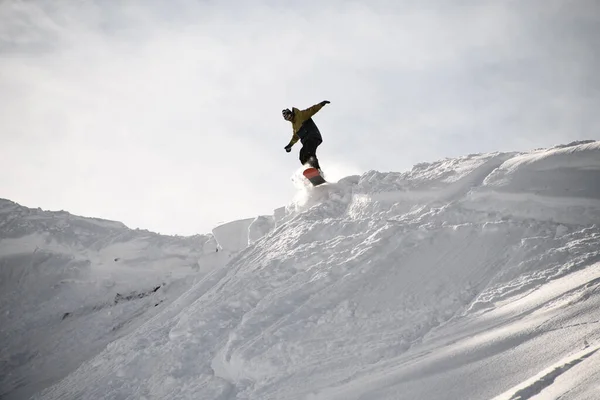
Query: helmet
x=287 y=114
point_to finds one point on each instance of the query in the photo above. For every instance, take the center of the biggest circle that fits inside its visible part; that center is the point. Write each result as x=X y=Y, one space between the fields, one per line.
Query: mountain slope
x=71 y=285
x=474 y=277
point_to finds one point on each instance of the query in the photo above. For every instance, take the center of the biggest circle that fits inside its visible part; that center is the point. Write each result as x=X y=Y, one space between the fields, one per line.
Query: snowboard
x=313 y=175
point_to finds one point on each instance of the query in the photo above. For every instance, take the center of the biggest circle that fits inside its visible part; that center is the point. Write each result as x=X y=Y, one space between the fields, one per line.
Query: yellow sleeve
x=294 y=139
x=303 y=115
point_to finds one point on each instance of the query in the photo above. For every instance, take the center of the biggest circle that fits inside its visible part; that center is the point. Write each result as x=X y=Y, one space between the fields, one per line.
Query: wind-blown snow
x=469 y=278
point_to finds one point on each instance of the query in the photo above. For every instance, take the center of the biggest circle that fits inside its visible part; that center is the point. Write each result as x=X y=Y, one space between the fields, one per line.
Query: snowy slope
x=71 y=285
x=468 y=278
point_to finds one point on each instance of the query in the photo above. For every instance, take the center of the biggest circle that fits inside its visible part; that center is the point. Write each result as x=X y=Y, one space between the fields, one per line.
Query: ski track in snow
x=457 y=279
x=548 y=378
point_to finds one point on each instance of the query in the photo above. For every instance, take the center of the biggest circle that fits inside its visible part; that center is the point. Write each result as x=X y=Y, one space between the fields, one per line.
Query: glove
x=325 y=102
x=288 y=148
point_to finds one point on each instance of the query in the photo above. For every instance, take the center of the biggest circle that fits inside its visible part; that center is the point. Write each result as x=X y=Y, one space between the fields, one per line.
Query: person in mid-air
x=306 y=131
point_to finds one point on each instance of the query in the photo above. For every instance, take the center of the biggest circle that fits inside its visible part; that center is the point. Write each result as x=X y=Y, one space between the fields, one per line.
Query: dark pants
x=308 y=152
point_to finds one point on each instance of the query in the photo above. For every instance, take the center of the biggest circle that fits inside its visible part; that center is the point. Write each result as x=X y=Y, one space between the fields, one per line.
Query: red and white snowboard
x=313 y=175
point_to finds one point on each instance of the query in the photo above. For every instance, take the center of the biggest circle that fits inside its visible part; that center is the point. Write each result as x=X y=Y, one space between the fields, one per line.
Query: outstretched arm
x=303 y=115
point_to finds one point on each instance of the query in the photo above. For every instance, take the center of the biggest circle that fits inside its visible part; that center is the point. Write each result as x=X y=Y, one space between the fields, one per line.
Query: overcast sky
x=166 y=115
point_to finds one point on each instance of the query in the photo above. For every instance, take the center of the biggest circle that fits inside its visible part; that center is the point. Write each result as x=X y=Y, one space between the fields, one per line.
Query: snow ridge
x=456 y=279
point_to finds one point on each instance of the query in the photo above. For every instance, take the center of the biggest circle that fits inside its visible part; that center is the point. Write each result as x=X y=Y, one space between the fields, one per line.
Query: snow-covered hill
x=71 y=285
x=469 y=278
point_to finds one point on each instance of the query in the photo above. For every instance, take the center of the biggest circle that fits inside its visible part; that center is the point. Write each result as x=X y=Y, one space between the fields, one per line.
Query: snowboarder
x=305 y=130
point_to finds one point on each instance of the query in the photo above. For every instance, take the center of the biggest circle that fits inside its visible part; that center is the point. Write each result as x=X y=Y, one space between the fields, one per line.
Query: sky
x=167 y=115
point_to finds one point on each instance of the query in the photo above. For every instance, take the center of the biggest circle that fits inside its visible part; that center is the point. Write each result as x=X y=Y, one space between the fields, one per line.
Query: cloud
x=167 y=116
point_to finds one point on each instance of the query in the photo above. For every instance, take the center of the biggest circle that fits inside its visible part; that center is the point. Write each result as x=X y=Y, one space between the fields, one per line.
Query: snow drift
x=476 y=277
